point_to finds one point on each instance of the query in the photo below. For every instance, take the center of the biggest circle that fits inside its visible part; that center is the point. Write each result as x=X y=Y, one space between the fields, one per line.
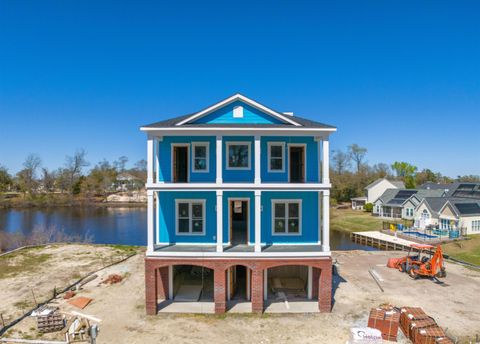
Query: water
x=104 y=225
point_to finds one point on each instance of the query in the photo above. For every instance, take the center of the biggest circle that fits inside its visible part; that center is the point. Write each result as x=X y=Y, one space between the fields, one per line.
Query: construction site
x=95 y=293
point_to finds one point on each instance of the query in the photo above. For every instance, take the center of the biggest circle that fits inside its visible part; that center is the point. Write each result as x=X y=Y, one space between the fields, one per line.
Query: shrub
x=369 y=207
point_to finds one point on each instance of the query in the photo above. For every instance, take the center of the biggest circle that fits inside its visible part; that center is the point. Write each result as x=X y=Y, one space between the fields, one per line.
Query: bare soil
x=453 y=304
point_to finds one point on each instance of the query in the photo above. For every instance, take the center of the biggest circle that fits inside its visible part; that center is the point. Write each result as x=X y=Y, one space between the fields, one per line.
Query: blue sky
x=401 y=78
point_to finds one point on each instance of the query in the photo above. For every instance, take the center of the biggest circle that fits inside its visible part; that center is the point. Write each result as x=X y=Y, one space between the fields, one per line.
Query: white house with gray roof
x=374 y=190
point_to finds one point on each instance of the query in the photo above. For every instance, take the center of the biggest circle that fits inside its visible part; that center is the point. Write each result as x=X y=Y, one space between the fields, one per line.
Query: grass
x=349 y=220
x=466 y=250
x=22 y=261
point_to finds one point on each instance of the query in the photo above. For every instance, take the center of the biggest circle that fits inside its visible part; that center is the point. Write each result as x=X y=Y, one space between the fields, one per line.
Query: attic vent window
x=238 y=112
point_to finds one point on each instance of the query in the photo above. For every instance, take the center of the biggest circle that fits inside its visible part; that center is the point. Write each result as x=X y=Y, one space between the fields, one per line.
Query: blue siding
x=309 y=229
x=250 y=116
x=251 y=213
x=312 y=163
x=165 y=151
x=238 y=175
x=166 y=217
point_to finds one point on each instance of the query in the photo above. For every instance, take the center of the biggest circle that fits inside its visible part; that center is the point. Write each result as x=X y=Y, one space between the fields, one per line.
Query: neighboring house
x=461 y=214
x=374 y=190
x=238 y=207
x=127 y=182
x=436 y=186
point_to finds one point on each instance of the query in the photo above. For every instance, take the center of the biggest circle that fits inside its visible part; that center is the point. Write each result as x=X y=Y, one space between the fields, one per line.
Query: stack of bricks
x=409 y=315
x=417 y=325
x=420 y=328
x=385 y=320
x=432 y=335
x=50 y=323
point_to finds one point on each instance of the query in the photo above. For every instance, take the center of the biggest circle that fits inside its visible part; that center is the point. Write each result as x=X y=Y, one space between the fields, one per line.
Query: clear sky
x=401 y=78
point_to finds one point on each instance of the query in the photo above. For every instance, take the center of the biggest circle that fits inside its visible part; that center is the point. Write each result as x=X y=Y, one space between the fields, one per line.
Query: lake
x=107 y=225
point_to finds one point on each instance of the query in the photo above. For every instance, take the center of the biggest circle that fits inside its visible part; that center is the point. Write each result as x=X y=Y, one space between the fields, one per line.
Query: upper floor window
x=409 y=211
x=190 y=217
x=276 y=157
x=238 y=155
x=287 y=217
x=200 y=157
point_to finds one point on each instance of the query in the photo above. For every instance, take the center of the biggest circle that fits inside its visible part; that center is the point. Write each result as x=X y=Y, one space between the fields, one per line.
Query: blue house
x=238 y=209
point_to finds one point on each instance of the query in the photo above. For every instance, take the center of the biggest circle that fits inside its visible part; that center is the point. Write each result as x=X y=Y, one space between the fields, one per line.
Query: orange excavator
x=421 y=261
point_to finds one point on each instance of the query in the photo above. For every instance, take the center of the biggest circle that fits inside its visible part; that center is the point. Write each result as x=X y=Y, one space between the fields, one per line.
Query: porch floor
x=238 y=248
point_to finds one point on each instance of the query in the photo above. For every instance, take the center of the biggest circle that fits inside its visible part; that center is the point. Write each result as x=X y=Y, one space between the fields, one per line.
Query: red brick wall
x=156 y=278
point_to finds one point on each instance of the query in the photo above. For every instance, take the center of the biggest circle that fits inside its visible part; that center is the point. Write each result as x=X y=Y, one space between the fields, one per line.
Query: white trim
x=240 y=255
x=287 y=217
x=304 y=145
x=243 y=199
x=258 y=221
x=309 y=283
x=238 y=143
x=207 y=156
x=218 y=159
x=157 y=218
x=190 y=216
x=172 y=146
x=325 y=160
x=150 y=221
x=258 y=161
x=150 y=158
x=219 y=210
x=238 y=112
x=269 y=155
x=242 y=131
x=239 y=186
x=231 y=99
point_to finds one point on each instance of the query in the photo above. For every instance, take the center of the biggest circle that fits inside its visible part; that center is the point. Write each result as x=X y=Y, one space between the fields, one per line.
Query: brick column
x=325 y=290
x=220 y=290
x=162 y=282
x=150 y=287
x=257 y=291
x=315 y=282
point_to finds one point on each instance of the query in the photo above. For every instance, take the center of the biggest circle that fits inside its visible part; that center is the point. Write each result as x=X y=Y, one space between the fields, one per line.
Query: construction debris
x=112 y=279
x=69 y=294
x=80 y=302
x=43 y=310
x=365 y=335
x=50 y=323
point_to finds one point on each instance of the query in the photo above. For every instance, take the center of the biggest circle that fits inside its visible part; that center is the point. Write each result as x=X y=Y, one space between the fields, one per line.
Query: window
x=476 y=226
x=238 y=155
x=286 y=217
x=409 y=211
x=425 y=215
x=200 y=156
x=190 y=217
x=276 y=161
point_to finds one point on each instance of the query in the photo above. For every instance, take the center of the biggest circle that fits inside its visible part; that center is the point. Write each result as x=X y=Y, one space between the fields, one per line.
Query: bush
x=368 y=207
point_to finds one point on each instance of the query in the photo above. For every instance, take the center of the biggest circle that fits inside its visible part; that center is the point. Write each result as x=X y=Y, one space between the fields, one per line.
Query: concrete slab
x=239 y=307
x=291 y=307
x=186 y=307
x=188 y=293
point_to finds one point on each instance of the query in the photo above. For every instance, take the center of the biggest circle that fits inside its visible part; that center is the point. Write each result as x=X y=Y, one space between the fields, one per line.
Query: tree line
x=72 y=178
x=350 y=173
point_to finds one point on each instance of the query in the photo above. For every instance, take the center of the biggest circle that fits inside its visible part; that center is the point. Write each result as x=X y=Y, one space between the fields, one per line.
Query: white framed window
x=190 y=217
x=276 y=157
x=286 y=217
x=425 y=214
x=200 y=156
x=238 y=112
x=409 y=211
x=238 y=155
x=476 y=226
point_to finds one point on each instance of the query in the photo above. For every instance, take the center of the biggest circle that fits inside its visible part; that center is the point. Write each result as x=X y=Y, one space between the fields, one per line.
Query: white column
x=265 y=285
x=150 y=159
x=326 y=221
x=319 y=217
x=170 y=282
x=150 y=221
x=219 y=221
x=258 y=222
x=257 y=149
x=156 y=143
x=319 y=157
x=309 y=285
x=325 y=162
x=219 y=153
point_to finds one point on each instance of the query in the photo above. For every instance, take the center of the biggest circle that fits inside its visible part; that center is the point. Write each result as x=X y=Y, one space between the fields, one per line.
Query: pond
x=105 y=225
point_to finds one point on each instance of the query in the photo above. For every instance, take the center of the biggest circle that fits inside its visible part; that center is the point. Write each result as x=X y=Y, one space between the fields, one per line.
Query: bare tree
x=341 y=161
x=74 y=165
x=121 y=163
x=26 y=178
x=357 y=154
x=48 y=180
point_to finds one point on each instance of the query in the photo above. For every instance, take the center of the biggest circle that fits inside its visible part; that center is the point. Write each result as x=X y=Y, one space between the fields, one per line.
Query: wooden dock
x=381 y=241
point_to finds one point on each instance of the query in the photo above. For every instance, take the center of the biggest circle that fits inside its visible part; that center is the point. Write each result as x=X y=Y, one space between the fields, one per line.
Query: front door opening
x=180 y=164
x=297 y=164
x=239 y=222
x=238 y=283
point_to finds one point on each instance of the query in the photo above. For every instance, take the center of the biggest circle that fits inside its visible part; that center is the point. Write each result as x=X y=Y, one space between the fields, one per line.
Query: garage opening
x=238 y=283
x=288 y=283
x=192 y=283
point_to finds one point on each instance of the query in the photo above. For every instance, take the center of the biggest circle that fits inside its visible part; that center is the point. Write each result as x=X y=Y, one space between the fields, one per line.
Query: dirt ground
x=453 y=304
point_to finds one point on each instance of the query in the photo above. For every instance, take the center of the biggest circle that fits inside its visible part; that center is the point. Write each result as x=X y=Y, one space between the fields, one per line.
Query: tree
x=341 y=161
x=426 y=175
x=26 y=178
x=469 y=179
x=5 y=179
x=121 y=163
x=406 y=172
x=357 y=154
x=48 y=180
x=381 y=170
x=100 y=179
x=73 y=167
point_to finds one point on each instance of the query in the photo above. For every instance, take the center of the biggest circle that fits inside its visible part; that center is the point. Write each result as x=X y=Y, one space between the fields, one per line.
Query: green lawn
x=349 y=220
x=466 y=250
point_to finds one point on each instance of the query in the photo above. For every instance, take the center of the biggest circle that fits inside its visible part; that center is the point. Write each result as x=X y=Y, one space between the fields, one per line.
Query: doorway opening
x=192 y=283
x=180 y=163
x=239 y=283
x=238 y=209
x=288 y=283
x=297 y=164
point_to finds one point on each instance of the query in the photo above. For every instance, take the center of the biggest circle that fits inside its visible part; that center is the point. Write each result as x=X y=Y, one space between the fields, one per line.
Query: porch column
x=319 y=217
x=258 y=178
x=326 y=221
x=219 y=153
x=257 y=291
x=219 y=290
x=150 y=159
x=151 y=293
x=258 y=222
x=325 y=161
x=163 y=282
x=150 y=221
x=325 y=290
x=219 y=221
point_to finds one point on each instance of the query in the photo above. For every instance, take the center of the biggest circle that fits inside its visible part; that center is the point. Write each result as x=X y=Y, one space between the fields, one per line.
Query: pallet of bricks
x=50 y=323
x=417 y=326
x=385 y=319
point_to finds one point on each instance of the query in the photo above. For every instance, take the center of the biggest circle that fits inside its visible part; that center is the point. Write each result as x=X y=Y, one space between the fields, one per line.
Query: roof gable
x=222 y=112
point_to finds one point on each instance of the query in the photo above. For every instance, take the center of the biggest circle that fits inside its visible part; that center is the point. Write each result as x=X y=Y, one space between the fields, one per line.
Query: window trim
x=237 y=143
x=190 y=218
x=207 y=156
x=269 y=156
x=287 y=201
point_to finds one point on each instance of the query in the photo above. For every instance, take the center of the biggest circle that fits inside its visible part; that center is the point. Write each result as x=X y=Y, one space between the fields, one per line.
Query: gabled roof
x=465 y=190
x=436 y=186
x=424 y=193
x=287 y=121
x=397 y=183
x=463 y=207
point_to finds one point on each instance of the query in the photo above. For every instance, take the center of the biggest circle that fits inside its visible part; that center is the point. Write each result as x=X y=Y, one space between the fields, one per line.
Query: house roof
x=288 y=121
x=465 y=190
x=424 y=193
x=462 y=206
x=397 y=183
x=436 y=186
